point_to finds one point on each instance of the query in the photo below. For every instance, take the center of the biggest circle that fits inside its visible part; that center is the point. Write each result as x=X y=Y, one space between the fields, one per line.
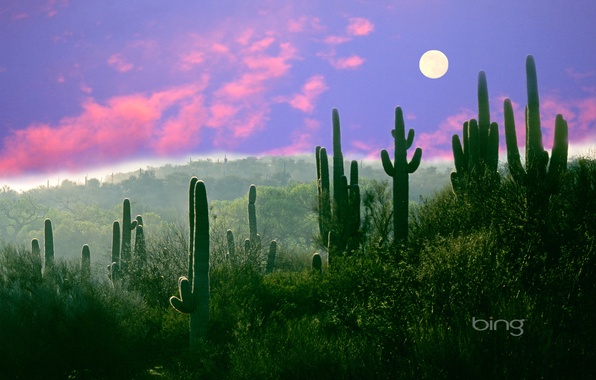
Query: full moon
x=434 y=64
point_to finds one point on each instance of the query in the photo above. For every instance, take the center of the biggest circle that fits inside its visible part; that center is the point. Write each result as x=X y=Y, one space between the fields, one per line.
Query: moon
x=434 y=64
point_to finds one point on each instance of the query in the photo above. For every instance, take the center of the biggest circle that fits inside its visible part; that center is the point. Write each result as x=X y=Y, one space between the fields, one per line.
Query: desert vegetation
x=492 y=276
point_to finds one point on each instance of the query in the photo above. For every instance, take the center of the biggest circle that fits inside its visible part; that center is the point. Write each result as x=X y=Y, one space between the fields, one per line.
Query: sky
x=89 y=85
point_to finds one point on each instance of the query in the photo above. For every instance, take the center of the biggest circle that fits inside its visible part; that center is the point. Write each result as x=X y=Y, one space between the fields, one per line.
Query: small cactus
x=48 y=246
x=114 y=266
x=317 y=263
x=231 y=246
x=85 y=262
x=271 y=257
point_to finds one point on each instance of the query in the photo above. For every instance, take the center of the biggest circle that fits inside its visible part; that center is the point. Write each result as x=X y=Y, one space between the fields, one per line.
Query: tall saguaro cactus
x=400 y=170
x=540 y=175
x=477 y=160
x=340 y=215
x=324 y=189
x=127 y=227
x=194 y=291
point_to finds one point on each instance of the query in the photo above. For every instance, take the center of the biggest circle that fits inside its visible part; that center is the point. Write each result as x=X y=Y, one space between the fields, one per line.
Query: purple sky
x=88 y=85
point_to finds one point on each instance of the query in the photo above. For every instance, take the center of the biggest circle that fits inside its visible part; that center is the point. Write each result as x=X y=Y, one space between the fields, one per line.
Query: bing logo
x=514 y=324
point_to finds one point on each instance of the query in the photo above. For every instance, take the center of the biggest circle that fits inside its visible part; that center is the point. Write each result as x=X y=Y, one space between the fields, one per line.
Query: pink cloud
x=119 y=64
x=350 y=63
x=437 y=144
x=305 y=24
x=336 y=40
x=190 y=60
x=120 y=128
x=359 y=26
x=311 y=90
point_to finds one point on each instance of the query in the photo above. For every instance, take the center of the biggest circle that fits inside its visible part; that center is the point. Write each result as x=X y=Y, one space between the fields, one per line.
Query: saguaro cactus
x=194 y=294
x=252 y=214
x=271 y=257
x=341 y=214
x=540 y=181
x=48 y=246
x=114 y=267
x=478 y=158
x=85 y=262
x=324 y=192
x=140 y=250
x=127 y=227
x=400 y=171
x=231 y=246
x=35 y=250
x=317 y=263
x=352 y=226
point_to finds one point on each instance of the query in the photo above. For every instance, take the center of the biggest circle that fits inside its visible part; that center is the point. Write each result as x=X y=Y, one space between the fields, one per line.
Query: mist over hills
x=83 y=211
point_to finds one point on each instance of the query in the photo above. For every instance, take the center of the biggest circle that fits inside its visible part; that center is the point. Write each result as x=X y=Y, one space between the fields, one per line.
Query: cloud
x=118 y=62
x=123 y=127
x=359 y=26
x=311 y=90
x=350 y=63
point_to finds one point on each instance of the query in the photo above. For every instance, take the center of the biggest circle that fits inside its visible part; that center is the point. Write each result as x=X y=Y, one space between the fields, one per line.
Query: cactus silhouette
x=114 y=267
x=400 y=171
x=352 y=227
x=271 y=257
x=231 y=246
x=194 y=291
x=48 y=246
x=340 y=214
x=140 y=247
x=324 y=193
x=317 y=263
x=540 y=176
x=127 y=227
x=85 y=263
x=35 y=250
x=479 y=155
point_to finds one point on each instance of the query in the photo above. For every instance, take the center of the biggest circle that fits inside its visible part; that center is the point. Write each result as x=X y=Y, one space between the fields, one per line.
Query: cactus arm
x=410 y=139
x=558 y=160
x=415 y=161
x=533 y=115
x=338 y=159
x=387 y=164
x=483 y=104
x=474 y=145
x=458 y=155
x=185 y=304
x=513 y=157
x=492 y=154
